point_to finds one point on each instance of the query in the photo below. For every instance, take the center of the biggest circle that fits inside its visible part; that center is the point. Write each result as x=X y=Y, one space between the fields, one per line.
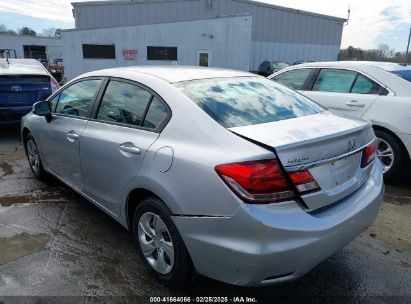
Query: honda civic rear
x=321 y=187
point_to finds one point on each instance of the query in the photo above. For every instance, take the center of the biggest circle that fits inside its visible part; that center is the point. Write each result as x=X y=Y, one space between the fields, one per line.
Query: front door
x=61 y=136
x=204 y=58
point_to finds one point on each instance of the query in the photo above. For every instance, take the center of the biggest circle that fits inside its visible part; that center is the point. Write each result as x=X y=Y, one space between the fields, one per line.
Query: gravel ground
x=56 y=247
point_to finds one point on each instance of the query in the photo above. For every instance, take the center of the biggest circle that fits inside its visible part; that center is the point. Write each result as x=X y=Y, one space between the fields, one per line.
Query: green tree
x=27 y=31
x=52 y=32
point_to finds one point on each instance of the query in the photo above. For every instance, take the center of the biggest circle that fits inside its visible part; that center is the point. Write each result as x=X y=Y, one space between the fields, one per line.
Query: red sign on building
x=130 y=54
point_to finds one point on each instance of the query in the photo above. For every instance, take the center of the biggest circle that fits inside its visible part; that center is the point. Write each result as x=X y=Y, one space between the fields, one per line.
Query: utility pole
x=408 y=47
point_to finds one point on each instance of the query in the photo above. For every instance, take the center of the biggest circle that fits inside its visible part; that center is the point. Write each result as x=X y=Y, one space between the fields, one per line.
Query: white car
x=376 y=91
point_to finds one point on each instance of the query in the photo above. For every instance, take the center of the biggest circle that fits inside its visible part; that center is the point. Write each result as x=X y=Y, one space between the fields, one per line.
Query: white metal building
x=196 y=32
x=32 y=46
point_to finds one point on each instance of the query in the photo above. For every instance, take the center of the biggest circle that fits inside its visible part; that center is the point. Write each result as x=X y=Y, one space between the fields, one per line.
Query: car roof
x=172 y=74
x=386 y=66
x=22 y=67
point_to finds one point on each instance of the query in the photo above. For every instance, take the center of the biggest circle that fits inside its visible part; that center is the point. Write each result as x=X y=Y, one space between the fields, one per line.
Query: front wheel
x=391 y=154
x=160 y=245
x=33 y=156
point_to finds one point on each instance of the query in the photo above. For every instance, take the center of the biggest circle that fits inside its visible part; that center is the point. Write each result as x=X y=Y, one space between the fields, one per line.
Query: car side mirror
x=42 y=108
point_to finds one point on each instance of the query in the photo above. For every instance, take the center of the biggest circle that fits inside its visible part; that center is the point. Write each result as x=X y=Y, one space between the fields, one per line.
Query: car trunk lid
x=328 y=146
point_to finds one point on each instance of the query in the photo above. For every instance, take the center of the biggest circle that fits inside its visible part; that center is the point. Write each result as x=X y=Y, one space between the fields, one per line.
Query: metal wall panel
x=270 y=24
x=16 y=42
x=227 y=39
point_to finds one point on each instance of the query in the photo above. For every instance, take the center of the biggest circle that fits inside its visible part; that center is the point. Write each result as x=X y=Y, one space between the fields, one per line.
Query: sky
x=371 y=21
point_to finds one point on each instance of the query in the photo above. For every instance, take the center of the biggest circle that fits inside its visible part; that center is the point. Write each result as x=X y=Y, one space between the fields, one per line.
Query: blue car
x=22 y=83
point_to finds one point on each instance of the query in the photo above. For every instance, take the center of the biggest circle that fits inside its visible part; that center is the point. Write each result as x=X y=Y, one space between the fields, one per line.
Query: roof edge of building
x=252 y=2
x=28 y=36
x=136 y=25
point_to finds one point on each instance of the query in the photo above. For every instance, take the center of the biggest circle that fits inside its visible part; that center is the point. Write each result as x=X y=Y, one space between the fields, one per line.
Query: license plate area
x=334 y=175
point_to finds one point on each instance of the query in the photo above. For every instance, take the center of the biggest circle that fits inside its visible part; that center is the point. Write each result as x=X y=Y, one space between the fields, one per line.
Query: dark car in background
x=22 y=83
x=269 y=67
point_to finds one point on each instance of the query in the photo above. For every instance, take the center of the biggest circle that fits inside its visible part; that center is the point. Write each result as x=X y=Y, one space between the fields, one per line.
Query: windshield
x=406 y=74
x=242 y=101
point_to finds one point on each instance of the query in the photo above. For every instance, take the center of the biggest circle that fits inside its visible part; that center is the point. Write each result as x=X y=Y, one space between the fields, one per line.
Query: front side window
x=78 y=98
x=363 y=85
x=334 y=80
x=124 y=103
x=242 y=101
x=53 y=102
x=293 y=79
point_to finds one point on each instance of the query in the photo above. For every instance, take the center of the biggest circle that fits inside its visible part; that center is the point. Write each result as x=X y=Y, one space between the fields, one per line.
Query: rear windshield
x=406 y=74
x=24 y=79
x=242 y=101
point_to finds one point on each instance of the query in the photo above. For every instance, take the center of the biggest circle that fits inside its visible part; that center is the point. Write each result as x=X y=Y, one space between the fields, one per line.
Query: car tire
x=33 y=156
x=179 y=270
x=387 y=142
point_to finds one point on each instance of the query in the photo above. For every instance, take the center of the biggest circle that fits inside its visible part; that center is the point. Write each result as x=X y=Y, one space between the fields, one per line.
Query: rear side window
x=242 y=101
x=78 y=98
x=293 y=79
x=363 y=85
x=124 y=103
x=334 y=80
x=156 y=114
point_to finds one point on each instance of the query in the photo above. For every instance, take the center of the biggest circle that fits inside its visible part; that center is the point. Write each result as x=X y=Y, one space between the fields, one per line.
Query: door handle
x=130 y=148
x=355 y=103
x=72 y=136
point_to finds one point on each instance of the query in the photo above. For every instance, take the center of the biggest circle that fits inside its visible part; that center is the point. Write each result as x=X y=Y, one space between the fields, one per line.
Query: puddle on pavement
x=37 y=196
x=21 y=245
x=6 y=168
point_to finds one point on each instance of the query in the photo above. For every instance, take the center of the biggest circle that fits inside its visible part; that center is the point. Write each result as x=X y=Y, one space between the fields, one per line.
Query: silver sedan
x=218 y=172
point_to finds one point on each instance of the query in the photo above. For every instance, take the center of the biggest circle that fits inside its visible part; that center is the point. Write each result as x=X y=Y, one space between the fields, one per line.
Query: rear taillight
x=54 y=85
x=304 y=182
x=264 y=181
x=368 y=155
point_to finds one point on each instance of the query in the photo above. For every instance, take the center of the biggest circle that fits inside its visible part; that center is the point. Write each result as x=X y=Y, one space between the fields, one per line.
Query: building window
x=161 y=53
x=99 y=51
x=35 y=51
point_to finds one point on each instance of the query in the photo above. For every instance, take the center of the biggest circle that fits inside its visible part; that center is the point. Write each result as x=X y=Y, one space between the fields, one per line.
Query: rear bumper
x=13 y=115
x=268 y=244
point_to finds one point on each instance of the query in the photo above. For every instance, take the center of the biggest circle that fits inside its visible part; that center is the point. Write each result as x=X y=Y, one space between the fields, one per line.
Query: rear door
x=344 y=92
x=60 y=138
x=114 y=143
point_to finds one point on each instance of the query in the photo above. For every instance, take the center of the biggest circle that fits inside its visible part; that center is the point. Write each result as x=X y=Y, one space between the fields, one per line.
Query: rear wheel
x=391 y=154
x=33 y=156
x=160 y=245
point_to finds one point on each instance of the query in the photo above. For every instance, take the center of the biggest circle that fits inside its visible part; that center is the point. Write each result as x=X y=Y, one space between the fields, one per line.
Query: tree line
x=382 y=53
x=25 y=30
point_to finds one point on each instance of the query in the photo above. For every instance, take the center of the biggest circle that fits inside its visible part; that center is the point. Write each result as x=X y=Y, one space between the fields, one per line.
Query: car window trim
x=93 y=100
x=312 y=77
x=158 y=129
x=353 y=84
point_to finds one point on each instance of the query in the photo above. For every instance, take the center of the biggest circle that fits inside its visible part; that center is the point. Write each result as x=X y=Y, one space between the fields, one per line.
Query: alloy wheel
x=34 y=156
x=386 y=154
x=156 y=243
